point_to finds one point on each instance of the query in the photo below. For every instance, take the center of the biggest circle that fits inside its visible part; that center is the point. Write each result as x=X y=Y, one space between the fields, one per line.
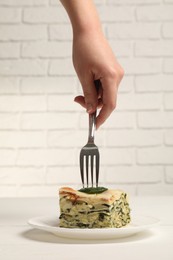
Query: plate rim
x=93 y=231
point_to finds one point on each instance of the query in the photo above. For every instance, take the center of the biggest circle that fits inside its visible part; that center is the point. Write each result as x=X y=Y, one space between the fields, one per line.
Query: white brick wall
x=42 y=129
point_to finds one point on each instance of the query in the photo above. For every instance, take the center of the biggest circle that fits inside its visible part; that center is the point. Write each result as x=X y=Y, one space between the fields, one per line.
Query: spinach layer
x=93 y=190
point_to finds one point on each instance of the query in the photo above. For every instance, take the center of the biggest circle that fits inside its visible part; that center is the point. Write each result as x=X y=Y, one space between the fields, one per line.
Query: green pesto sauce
x=93 y=190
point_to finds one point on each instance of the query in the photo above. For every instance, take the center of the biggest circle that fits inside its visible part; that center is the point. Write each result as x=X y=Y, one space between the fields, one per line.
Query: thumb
x=90 y=95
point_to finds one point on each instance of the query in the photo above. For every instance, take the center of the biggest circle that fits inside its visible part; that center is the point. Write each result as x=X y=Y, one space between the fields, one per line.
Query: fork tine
x=92 y=158
x=86 y=168
x=81 y=169
x=97 y=169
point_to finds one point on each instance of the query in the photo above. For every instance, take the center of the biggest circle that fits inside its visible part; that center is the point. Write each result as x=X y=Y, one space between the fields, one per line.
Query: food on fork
x=93 y=208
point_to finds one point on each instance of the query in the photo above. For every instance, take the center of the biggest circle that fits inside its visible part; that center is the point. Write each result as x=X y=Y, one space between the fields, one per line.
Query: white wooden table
x=19 y=241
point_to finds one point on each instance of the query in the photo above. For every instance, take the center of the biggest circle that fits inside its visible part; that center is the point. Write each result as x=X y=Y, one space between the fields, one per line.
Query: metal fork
x=90 y=151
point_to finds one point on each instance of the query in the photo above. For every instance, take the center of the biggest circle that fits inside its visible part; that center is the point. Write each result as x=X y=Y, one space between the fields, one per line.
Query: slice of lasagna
x=107 y=209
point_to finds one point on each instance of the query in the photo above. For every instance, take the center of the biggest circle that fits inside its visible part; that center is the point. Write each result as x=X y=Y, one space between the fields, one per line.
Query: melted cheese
x=108 y=196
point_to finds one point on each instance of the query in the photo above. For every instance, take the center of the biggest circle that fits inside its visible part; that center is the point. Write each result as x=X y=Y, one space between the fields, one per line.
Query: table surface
x=20 y=241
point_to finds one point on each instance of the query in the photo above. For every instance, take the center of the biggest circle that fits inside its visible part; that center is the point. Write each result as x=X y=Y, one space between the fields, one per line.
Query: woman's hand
x=93 y=59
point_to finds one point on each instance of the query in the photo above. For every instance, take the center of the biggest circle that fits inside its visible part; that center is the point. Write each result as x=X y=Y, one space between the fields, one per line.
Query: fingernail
x=89 y=108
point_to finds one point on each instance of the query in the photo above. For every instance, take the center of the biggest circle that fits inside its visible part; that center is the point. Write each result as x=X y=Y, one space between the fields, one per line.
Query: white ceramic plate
x=51 y=224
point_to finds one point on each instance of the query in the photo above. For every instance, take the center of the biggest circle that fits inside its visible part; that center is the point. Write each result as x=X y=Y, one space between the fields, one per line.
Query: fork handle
x=92 y=125
x=92 y=117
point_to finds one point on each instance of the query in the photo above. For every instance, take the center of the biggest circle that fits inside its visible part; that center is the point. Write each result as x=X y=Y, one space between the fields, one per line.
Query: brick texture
x=10 y=15
x=23 y=32
x=23 y=3
x=42 y=129
x=45 y=15
x=167 y=30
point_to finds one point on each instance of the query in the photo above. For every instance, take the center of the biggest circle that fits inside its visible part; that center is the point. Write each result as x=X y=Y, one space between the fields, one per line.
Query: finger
x=90 y=94
x=81 y=101
x=109 y=98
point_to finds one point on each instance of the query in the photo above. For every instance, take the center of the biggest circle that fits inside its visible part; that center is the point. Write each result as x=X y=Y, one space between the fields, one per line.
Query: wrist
x=87 y=29
x=83 y=16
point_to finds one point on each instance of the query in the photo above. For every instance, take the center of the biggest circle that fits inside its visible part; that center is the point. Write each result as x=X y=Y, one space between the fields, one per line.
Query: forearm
x=83 y=15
